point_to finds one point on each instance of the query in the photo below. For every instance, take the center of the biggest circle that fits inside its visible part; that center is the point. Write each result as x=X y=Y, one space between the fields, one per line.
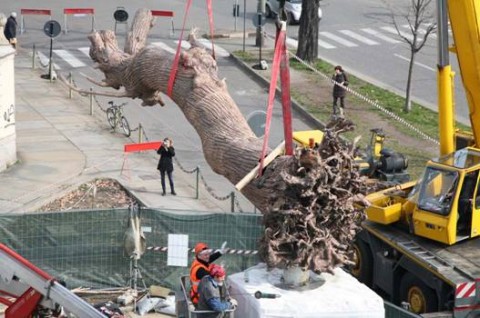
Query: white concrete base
x=339 y=296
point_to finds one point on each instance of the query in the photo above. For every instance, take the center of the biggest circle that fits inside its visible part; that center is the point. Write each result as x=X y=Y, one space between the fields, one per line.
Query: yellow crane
x=419 y=245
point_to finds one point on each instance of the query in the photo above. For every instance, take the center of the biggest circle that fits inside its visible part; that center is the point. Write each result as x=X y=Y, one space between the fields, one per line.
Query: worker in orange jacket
x=201 y=266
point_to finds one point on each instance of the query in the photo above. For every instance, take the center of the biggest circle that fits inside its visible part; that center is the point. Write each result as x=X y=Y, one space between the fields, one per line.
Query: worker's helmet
x=217 y=271
x=200 y=247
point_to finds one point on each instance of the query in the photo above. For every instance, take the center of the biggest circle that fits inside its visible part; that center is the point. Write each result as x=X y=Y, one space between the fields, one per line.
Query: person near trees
x=165 y=163
x=10 y=30
x=213 y=295
x=340 y=82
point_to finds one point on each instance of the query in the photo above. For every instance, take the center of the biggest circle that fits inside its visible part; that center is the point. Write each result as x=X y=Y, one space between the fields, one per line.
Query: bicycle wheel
x=111 y=117
x=126 y=127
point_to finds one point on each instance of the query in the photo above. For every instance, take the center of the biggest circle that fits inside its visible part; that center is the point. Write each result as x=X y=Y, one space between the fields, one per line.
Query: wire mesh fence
x=86 y=248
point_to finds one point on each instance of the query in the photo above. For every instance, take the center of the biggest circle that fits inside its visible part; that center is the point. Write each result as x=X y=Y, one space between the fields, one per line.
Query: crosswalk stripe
x=69 y=58
x=85 y=50
x=45 y=60
x=185 y=44
x=292 y=42
x=164 y=47
x=338 y=39
x=325 y=45
x=218 y=50
x=358 y=37
x=379 y=35
x=394 y=31
x=421 y=31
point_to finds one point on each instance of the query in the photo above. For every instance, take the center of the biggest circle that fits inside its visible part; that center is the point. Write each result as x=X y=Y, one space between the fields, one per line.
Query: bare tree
x=308 y=200
x=307 y=48
x=418 y=14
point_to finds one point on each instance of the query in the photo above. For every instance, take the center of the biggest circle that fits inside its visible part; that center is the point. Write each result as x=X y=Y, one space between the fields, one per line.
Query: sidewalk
x=60 y=146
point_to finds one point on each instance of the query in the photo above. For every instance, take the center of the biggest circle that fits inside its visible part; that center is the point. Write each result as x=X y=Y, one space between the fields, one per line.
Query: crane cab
x=443 y=206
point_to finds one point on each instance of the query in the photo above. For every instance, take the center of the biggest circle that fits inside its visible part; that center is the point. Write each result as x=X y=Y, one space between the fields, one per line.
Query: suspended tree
x=308 y=200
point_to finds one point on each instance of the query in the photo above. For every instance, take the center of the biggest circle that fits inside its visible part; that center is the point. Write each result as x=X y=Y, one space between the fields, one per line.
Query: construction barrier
x=24 y=12
x=161 y=13
x=78 y=12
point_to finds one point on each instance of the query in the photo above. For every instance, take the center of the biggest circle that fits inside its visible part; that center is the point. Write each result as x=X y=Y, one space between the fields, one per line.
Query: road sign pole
x=244 y=22
x=50 y=63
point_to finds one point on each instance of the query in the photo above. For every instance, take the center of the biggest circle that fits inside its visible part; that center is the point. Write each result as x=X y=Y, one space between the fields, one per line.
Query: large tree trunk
x=306 y=193
x=308 y=31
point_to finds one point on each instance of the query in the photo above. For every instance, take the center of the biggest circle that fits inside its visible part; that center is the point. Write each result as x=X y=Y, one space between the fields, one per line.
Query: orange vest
x=194 y=281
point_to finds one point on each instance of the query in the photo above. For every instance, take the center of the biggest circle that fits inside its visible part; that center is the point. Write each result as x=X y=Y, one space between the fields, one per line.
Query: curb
x=266 y=84
x=231 y=35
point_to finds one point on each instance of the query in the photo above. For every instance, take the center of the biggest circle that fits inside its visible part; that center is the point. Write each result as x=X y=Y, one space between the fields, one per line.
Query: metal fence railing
x=86 y=248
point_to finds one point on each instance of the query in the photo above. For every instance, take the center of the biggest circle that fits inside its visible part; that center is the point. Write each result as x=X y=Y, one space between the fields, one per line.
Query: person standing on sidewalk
x=10 y=30
x=165 y=164
x=341 y=81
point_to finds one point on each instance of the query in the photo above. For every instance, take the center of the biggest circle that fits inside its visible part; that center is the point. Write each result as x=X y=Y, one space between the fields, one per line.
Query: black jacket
x=10 y=30
x=165 y=163
x=337 y=90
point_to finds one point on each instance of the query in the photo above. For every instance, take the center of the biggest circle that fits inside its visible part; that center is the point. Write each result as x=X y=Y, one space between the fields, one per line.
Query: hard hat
x=13 y=14
x=200 y=247
x=217 y=271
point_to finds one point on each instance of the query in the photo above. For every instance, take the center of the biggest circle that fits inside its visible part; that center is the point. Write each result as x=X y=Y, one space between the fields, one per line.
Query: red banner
x=160 y=13
x=154 y=145
x=36 y=11
x=79 y=11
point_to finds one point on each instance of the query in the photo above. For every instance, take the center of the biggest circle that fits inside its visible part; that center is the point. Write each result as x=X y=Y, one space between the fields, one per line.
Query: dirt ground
x=96 y=194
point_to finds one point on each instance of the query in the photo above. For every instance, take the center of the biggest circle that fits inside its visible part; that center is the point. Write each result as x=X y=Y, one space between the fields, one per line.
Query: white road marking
x=45 y=60
x=358 y=37
x=421 y=31
x=69 y=58
x=165 y=47
x=325 y=45
x=416 y=63
x=338 y=39
x=85 y=50
x=218 y=50
x=379 y=35
x=392 y=30
x=185 y=44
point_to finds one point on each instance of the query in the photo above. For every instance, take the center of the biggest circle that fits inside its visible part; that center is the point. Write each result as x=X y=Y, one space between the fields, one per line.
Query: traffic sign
x=120 y=15
x=259 y=19
x=52 y=28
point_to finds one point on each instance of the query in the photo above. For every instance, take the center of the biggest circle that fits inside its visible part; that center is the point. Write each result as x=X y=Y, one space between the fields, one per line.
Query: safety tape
x=230 y=251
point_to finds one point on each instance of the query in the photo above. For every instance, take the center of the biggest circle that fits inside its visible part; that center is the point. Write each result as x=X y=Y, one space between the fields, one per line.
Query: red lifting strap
x=173 y=71
x=279 y=50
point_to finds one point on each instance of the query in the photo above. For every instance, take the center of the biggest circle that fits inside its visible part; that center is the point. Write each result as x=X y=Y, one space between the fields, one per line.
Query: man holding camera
x=165 y=164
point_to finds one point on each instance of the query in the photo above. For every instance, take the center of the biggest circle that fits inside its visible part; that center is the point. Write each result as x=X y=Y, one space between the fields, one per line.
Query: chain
x=210 y=190
x=366 y=99
x=145 y=134
x=182 y=168
x=98 y=103
x=237 y=205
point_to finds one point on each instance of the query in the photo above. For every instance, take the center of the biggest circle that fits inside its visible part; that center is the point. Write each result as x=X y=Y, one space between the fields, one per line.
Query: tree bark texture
x=300 y=196
x=308 y=31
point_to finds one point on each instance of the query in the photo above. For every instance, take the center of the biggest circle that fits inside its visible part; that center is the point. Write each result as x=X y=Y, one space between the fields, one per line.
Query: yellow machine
x=419 y=245
x=376 y=162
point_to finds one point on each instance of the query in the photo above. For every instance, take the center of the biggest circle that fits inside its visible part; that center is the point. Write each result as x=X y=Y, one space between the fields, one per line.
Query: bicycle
x=115 y=118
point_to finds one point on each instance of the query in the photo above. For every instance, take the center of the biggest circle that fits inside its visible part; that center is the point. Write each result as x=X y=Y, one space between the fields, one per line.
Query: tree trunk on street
x=408 y=103
x=308 y=31
x=314 y=191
